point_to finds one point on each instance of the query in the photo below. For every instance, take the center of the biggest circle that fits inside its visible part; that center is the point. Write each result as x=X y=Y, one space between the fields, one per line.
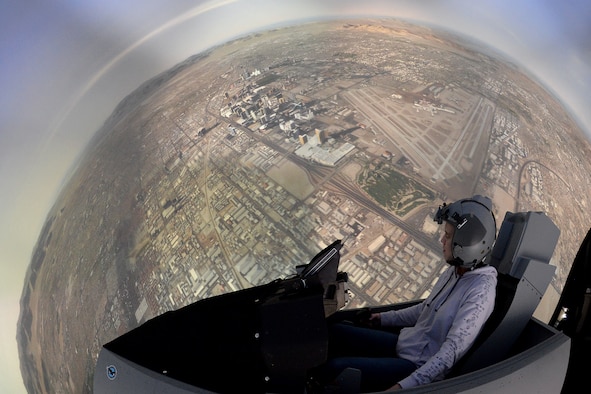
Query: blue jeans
x=369 y=350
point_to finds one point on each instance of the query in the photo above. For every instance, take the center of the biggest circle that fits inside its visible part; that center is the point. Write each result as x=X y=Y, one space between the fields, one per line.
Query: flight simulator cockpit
x=265 y=339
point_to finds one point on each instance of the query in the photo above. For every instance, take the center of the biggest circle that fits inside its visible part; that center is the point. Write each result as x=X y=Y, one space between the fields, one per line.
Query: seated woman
x=438 y=331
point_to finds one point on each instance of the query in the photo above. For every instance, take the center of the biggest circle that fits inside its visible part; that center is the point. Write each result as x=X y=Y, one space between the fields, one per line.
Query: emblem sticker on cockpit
x=111 y=372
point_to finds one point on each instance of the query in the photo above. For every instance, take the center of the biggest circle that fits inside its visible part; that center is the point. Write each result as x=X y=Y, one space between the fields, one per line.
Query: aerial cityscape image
x=238 y=159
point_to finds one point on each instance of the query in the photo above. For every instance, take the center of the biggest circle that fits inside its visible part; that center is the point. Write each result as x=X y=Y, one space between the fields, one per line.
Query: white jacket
x=441 y=329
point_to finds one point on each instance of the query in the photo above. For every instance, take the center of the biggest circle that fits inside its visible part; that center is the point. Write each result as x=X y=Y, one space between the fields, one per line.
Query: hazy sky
x=65 y=64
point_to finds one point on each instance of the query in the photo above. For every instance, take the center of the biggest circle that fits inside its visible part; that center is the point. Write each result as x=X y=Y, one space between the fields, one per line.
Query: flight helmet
x=475 y=229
